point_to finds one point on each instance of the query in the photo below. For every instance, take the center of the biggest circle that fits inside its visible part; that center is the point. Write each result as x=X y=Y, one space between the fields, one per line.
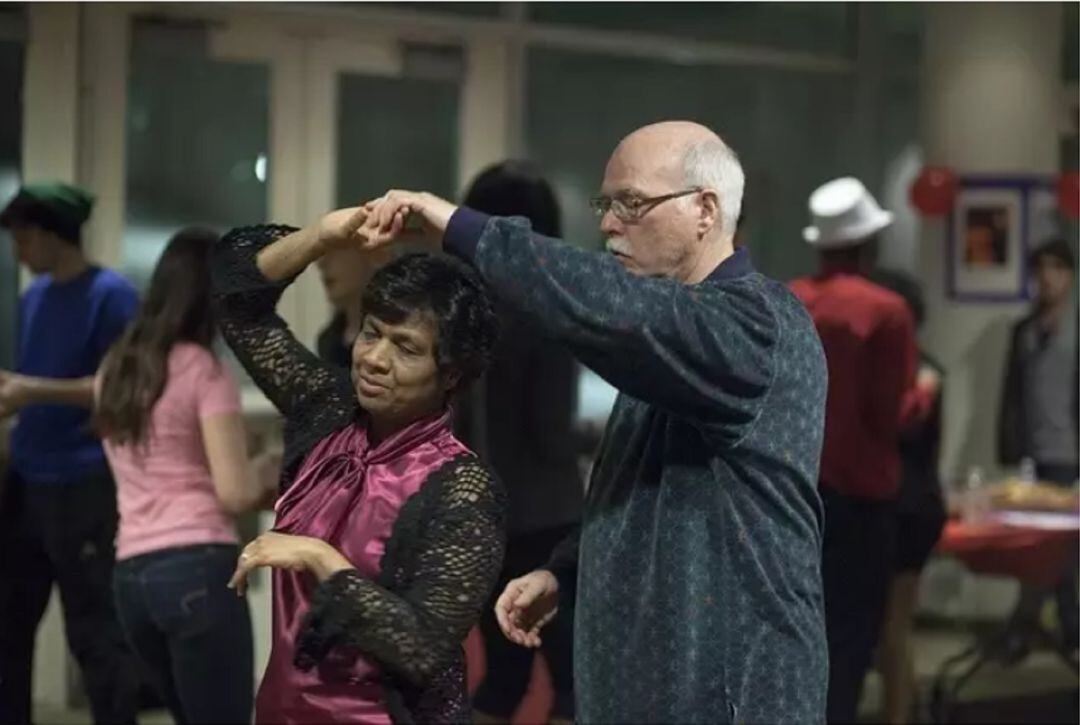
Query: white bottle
x=976 y=505
x=1027 y=471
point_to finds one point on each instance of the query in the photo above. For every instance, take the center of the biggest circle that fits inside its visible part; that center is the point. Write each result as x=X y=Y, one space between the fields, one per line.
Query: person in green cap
x=58 y=508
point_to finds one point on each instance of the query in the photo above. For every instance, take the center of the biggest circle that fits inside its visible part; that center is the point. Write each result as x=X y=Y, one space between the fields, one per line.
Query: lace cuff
x=315 y=397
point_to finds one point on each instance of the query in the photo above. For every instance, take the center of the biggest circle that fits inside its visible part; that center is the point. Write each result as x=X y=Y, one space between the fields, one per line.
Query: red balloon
x=1069 y=193
x=934 y=192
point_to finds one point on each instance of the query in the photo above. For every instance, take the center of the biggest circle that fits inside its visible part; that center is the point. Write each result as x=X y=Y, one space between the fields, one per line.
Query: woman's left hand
x=388 y=219
x=284 y=551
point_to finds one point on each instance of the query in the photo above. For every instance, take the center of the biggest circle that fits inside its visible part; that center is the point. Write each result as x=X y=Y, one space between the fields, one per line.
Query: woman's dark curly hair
x=453 y=295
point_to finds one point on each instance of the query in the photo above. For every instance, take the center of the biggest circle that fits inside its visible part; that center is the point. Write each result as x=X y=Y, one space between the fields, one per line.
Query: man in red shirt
x=869 y=338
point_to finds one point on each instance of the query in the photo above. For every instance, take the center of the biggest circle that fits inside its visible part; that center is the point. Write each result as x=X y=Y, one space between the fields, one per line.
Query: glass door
x=197 y=140
x=12 y=31
x=387 y=118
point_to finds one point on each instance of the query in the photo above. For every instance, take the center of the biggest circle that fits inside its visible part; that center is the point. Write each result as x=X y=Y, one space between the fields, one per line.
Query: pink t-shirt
x=163 y=486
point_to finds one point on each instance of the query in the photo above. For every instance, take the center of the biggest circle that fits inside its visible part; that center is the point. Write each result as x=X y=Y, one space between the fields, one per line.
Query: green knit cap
x=58 y=207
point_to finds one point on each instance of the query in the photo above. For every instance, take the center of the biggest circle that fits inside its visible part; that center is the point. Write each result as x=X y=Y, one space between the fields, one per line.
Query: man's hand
x=15 y=393
x=406 y=216
x=526 y=605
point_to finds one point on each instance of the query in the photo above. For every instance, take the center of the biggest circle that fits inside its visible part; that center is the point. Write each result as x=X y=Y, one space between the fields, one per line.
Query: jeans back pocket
x=183 y=586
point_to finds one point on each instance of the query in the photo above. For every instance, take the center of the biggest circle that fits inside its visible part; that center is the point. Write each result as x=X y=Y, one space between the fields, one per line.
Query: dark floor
x=1040 y=689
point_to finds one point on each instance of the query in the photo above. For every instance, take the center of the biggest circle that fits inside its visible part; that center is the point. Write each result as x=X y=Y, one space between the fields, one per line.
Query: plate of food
x=1016 y=495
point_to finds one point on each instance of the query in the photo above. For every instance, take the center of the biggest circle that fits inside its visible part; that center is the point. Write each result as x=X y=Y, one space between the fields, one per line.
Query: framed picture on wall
x=994 y=223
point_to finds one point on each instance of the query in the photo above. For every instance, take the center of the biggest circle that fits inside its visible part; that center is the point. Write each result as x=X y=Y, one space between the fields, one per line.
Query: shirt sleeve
x=894 y=357
x=1010 y=422
x=316 y=397
x=564 y=562
x=117 y=311
x=218 y=393
x=702 y=352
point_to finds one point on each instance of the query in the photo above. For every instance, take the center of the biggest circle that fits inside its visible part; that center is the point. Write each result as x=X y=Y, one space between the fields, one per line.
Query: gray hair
x=712 y=164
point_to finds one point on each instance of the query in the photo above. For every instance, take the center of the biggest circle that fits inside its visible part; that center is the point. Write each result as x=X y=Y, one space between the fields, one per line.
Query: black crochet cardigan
x=446 y=548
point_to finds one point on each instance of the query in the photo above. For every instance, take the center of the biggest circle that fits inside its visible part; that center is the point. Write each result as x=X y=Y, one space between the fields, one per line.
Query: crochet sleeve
x=315 y=397
x=439 y=569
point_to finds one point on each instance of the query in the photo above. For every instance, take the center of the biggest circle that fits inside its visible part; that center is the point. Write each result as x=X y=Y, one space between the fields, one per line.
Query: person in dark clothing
x=869 y=338
x=1040 y=407
x=521 y=419
x=696 y=569
x=920 y=516
x=58 y=512
x=1039 y=404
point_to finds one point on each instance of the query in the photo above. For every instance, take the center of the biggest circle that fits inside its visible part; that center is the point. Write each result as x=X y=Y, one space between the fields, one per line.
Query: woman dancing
x=389 y=533
x=170 y=416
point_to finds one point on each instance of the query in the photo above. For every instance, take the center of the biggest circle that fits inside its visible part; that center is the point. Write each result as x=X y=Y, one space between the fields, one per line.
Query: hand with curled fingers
x=285 y=551
x=526 y=605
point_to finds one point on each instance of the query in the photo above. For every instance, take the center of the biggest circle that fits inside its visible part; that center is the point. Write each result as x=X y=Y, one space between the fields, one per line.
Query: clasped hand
x=412 y=217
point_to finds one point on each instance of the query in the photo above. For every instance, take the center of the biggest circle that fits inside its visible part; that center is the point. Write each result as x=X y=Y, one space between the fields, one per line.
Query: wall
x=991 y=90
x=991 y=104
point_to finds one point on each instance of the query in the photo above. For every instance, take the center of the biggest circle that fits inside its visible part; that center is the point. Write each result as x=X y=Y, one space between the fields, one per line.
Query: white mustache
x=617 y=246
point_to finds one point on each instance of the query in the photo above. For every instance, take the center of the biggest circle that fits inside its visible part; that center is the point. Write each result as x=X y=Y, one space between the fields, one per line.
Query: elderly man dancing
x=697 y=566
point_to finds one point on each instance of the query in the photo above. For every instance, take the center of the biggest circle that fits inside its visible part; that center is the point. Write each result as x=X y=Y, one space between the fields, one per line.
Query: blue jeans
x=190 y=631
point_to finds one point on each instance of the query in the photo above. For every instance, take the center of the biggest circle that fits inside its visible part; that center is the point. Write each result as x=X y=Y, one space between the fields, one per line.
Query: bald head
x=688 y=184
x=688 y=154
x=670 y=138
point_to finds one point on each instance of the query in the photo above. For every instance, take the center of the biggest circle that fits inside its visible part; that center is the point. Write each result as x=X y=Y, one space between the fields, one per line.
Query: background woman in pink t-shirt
x=169 y=413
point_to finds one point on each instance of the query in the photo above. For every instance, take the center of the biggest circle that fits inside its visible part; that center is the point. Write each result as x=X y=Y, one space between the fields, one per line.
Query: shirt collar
x=735 y=266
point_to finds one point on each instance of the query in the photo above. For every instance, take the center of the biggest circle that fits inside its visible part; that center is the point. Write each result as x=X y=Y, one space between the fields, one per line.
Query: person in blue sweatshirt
x=58 y=501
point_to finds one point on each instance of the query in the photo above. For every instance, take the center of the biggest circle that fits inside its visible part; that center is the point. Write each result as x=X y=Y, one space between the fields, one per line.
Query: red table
x=1032 y=556
x=1036 y=556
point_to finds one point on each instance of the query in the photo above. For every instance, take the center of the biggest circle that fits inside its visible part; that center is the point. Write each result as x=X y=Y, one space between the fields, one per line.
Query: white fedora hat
x=844 y=214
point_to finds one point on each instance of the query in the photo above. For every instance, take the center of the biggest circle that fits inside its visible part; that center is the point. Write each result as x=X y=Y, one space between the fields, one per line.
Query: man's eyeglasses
x=630 y=208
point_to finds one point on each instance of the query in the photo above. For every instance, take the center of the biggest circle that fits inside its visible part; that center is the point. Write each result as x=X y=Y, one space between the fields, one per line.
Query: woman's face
x=394 y=372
